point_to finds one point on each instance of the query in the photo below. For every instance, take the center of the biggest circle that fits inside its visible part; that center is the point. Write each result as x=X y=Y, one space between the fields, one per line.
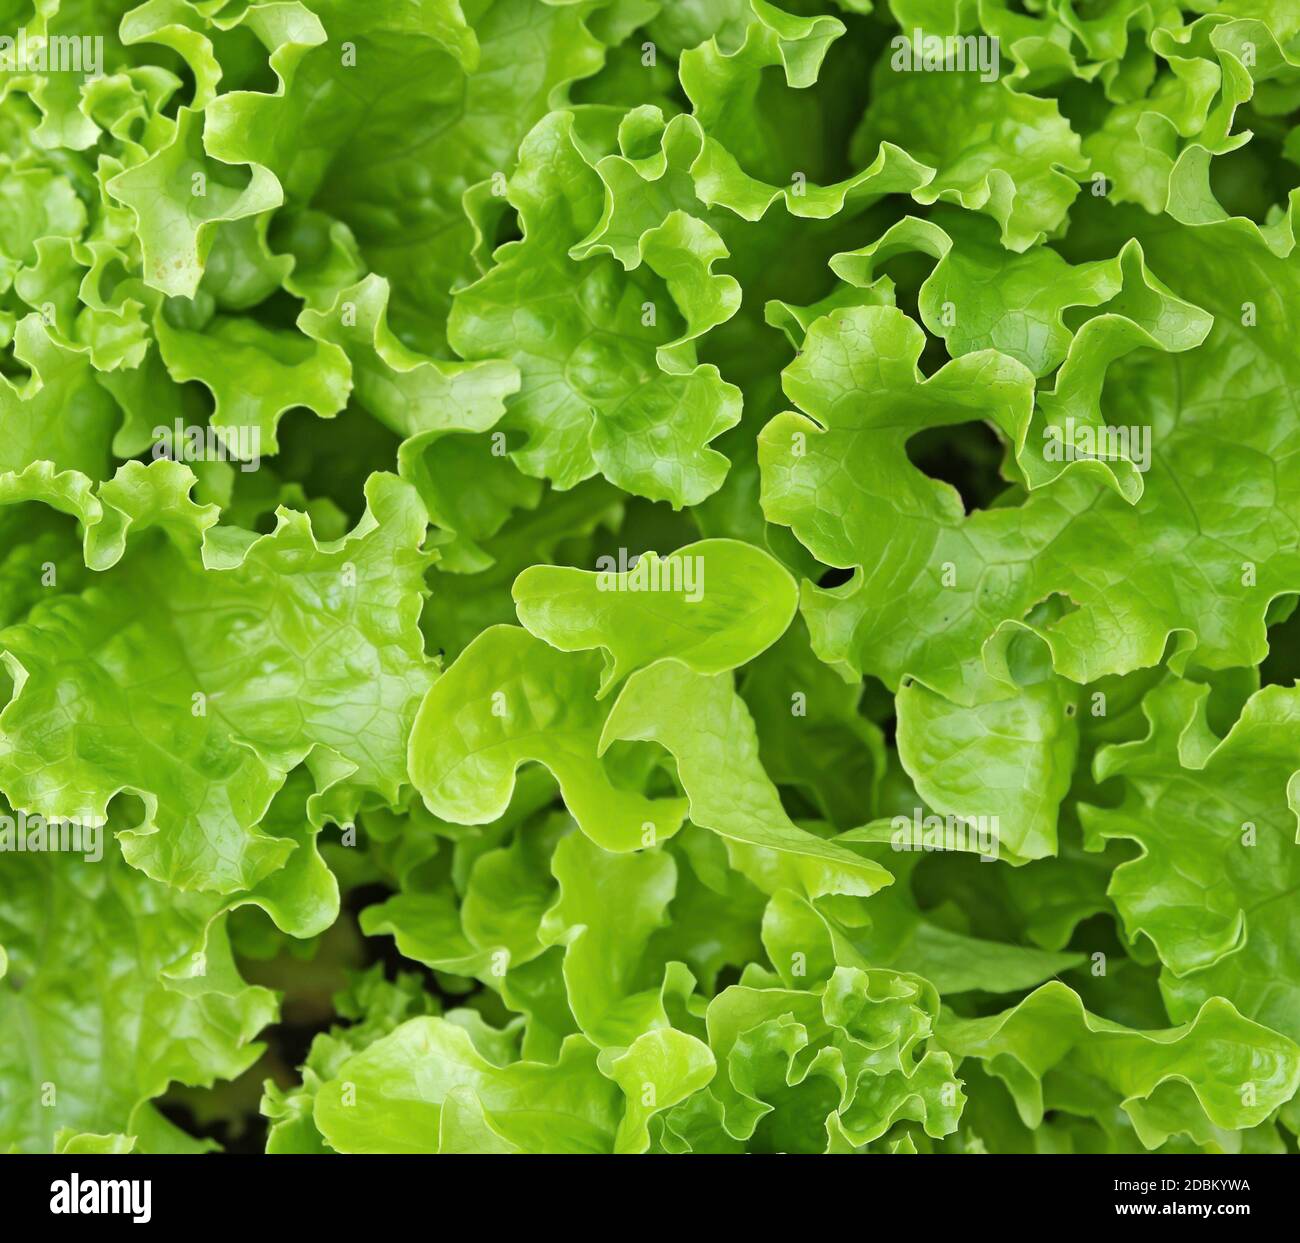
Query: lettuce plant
x=649 y=576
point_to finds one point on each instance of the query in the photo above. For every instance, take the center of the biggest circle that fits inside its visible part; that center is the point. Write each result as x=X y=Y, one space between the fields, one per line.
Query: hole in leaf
x=125 y=811
x=967 y=457
x=1051 y=608
x=1281 y=667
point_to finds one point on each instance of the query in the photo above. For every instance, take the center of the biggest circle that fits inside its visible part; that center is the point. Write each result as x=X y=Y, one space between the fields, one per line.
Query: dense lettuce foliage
x=679 y=576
